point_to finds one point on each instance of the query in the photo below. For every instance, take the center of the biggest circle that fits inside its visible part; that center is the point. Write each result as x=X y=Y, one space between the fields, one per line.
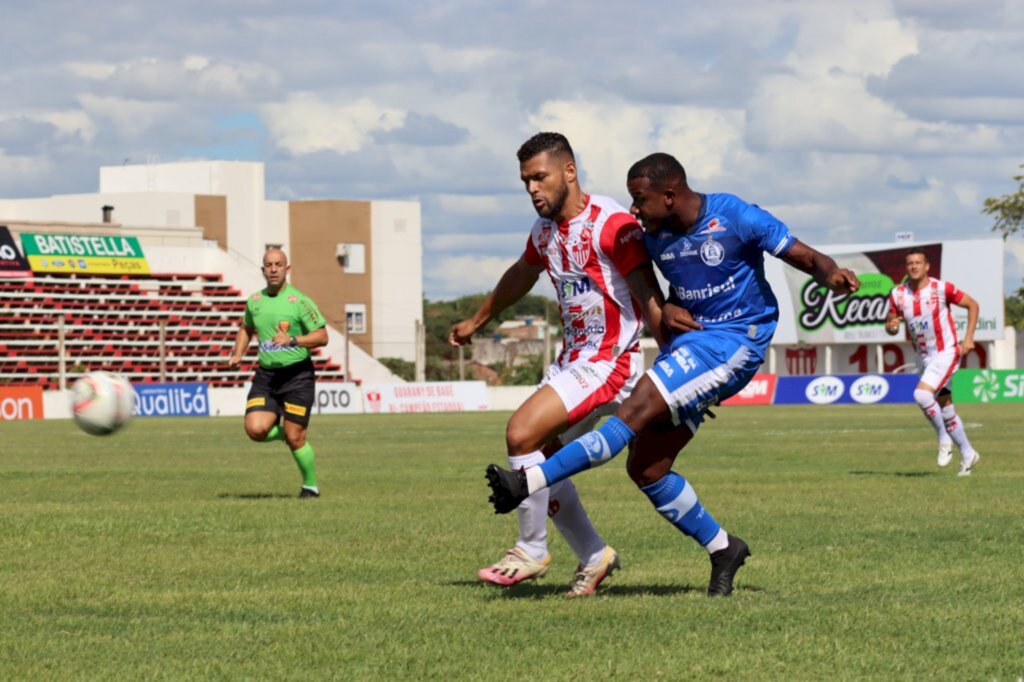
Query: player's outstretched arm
x=823 y=269
x=967 y=345
x=644 y=287
x=242 y=339
x=513 y=285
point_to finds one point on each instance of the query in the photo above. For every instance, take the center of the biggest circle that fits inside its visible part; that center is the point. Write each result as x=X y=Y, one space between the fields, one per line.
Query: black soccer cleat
x=308 y=492
x=724 y=564
x=508 y=488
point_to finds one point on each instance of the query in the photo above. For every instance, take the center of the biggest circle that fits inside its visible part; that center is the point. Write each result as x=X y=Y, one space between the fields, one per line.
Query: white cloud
x=455 y=275
x=306 y=123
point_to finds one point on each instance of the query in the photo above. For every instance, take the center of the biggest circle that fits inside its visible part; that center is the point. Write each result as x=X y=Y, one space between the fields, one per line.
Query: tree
x=1008 y=209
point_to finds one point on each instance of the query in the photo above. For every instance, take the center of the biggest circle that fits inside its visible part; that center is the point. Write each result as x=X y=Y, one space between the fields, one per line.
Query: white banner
x=809 y=314
x=337 y=397
x=440 y=396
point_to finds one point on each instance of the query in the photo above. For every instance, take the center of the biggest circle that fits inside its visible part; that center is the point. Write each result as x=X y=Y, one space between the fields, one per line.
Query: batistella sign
x=94 y=254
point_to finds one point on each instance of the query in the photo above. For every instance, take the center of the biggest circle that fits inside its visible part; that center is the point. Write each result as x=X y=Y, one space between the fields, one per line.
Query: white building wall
x=165 y=209
x=276 y=224
x=397 y=271
x=242 y=182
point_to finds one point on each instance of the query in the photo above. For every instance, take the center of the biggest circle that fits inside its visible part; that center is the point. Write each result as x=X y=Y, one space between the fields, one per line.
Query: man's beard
x=557 y=204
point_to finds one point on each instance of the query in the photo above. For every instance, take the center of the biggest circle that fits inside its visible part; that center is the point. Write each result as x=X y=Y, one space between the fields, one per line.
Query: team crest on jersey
x=257 y=297
x=293 y=299
x=712 y=252
x=544 y=237
x=578 y=244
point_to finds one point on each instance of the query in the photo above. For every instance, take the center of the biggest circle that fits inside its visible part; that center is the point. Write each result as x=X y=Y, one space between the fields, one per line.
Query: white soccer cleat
x=968 y=464
x=945 y=453
x=587 y=578
x=515 y=567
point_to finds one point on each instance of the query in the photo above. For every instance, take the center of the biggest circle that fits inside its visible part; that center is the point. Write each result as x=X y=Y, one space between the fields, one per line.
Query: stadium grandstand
x=167 y=327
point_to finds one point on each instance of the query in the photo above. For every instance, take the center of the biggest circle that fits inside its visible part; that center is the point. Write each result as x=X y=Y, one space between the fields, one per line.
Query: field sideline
x=177 y=549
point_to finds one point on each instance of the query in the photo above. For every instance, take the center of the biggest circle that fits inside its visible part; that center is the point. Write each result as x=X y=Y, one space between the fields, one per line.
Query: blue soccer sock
x=675 y=499
x=589 y=450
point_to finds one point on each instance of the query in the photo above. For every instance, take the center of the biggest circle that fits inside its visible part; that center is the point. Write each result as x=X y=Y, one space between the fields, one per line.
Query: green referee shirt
x=292 y=312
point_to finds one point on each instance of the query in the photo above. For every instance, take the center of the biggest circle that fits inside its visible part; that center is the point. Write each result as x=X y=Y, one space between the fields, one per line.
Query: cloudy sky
x=848 y=120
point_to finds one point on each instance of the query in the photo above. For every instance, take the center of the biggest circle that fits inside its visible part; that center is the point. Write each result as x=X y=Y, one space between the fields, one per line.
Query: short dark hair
x=659 y=168
x=553 y=143
x=914 y=251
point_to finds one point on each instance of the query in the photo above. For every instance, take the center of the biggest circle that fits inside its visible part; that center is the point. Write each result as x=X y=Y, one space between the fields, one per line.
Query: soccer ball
x=102 y=402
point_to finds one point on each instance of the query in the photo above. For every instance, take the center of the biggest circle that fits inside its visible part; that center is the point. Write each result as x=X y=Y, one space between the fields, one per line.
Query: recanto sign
x=989 y=386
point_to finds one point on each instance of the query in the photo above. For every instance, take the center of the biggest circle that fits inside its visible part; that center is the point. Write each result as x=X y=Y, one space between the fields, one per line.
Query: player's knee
x=256 y=433
x=519 y=438
x=295 y=441
x=923 y=398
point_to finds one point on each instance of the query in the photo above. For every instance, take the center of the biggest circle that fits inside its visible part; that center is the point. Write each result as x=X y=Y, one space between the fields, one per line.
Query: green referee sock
x=304 y=458
x=275 y=433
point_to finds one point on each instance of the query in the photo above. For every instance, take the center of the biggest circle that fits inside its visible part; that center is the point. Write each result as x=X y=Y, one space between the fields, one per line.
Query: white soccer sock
x=533 y=512
x=932 y=412
x=955 y=428
x=720 y=541
x=573 y=523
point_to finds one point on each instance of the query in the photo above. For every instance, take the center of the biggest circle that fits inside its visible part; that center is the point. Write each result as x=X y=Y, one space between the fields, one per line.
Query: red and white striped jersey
x=927 y=314
x=588 y=258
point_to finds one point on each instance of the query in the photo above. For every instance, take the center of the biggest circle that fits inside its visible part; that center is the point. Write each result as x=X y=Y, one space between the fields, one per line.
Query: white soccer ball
x=102 y=402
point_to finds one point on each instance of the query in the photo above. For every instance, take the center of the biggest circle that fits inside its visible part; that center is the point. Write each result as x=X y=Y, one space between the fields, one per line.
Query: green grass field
x=177 y=549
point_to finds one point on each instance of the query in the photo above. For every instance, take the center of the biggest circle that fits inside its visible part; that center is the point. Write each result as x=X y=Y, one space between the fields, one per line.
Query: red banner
x=21 y=402
x=760 y=391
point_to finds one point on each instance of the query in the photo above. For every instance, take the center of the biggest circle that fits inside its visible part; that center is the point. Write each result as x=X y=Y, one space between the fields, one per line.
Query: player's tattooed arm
x=513 y=285
x=823 y=269
x=644 y=287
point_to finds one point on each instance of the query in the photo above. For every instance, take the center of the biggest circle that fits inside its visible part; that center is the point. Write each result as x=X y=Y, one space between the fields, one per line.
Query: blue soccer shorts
x=704 y=368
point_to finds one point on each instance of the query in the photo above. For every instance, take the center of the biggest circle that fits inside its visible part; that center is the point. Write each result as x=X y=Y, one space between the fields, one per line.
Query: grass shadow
x=533 y=590
x=254 y=496
x=895 y=474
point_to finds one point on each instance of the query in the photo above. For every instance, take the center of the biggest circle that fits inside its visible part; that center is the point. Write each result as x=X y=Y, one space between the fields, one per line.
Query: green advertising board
x=989 y=386
x=95 y=254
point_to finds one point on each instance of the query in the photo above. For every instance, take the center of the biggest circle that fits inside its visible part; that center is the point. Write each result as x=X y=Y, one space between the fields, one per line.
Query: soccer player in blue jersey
x=722 y=314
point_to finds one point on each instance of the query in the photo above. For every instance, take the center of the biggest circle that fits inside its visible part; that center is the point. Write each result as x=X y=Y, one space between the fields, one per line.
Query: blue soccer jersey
x=716 y=270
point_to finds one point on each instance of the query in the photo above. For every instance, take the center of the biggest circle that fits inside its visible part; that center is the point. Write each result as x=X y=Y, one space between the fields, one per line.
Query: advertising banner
x=21 y=402
x=12 y=263
x=811 y=314
x=988 y=386
x=760 y=391
x=441 y=396
x=187 y=399
x=847 y=389
x=93 y=254
x=337 y=397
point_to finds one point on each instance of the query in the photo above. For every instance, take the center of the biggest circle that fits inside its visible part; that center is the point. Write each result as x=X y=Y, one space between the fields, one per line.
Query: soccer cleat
x=724 y=564
x=967 y=465
x=308 y=492
x=515 y=567
x=508 y=488
x=945 y=453
x=587 y=578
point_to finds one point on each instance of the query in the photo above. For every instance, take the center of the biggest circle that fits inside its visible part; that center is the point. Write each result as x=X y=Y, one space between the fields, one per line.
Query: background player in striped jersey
x=710 y=248
x=923 y=302
x=593 y=251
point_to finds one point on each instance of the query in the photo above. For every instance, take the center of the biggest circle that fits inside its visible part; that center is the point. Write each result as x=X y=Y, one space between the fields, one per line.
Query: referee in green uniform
x=287 y=324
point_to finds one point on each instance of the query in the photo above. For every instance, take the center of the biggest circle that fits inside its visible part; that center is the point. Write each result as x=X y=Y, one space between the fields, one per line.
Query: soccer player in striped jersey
x=923 y=302
x=710 y=248
x=592 y=250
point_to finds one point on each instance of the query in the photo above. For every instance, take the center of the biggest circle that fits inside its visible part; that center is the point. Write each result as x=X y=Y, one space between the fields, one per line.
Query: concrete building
x=361 y=261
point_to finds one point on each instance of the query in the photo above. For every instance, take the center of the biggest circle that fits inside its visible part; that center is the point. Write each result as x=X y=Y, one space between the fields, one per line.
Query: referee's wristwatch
x=294 y=341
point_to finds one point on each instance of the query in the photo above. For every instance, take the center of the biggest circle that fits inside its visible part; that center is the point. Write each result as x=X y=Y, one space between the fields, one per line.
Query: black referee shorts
x=288 y=391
